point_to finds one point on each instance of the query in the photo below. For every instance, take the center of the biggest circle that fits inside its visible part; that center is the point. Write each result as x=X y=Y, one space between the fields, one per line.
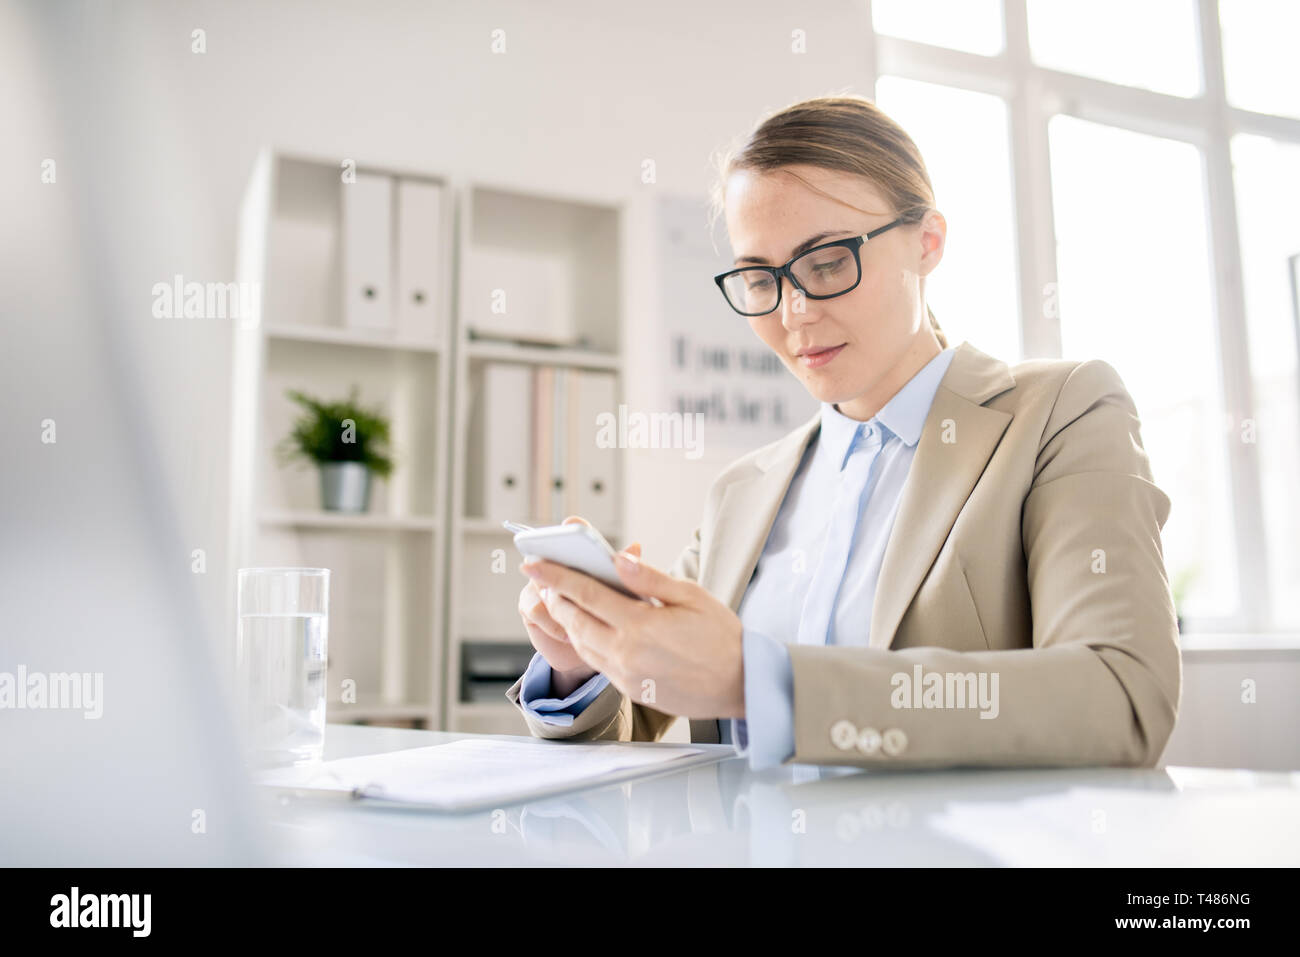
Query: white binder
x=507 y=394
x=592 y=481
x=542 y=443
x=519 y=295
x=367 y=209
x=419 y=259
x=560 y=473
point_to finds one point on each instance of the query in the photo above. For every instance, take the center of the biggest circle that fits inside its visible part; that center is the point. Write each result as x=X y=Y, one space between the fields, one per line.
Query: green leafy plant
x=1181 y=583
x=338 y=432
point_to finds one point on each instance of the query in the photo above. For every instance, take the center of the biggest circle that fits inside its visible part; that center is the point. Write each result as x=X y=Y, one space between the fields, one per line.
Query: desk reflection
x=723 y=814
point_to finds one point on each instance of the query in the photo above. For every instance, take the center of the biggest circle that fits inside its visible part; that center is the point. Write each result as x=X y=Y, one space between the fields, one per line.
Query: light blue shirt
x=859 y=472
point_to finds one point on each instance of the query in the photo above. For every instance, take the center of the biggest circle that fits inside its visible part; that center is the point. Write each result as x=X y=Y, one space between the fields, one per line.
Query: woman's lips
x=815 y=360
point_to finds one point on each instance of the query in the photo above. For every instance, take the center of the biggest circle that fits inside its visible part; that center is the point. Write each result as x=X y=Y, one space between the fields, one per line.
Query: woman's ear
x=933 y=233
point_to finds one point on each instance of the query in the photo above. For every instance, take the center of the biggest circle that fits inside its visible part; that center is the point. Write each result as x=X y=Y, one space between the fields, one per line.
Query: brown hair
x=845 y=133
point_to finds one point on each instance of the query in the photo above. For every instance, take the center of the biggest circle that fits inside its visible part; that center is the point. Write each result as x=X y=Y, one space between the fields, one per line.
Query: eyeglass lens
x=822 y=272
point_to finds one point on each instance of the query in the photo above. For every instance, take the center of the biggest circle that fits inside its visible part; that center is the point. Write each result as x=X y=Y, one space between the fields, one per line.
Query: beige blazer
x=1026 y=547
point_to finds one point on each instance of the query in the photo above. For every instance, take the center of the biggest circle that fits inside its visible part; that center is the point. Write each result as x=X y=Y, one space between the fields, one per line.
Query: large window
x=1149 y=44
x=1259 y=55
x=965 y=140
x=971 y=25
x=1267 y=177
x=1132 y=173
x=1134 y=271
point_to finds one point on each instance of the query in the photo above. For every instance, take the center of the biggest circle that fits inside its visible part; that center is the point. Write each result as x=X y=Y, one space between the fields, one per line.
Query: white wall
x=1224 y=723
x=586 y=92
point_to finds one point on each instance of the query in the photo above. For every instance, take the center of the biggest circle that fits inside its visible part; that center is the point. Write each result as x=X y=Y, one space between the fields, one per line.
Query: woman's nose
x=796 y=308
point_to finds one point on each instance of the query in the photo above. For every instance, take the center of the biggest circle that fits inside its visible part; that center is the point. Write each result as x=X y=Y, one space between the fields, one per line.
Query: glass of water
x=280 y=663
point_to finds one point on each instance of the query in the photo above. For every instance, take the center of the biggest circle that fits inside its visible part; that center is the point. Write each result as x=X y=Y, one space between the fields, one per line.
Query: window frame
x=1034 y=94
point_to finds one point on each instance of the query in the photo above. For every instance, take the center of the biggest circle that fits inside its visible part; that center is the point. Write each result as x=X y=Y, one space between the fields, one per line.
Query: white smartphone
x=575 y=546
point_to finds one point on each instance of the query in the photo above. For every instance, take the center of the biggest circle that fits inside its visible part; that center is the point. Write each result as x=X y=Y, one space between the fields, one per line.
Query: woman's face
x=858 y=349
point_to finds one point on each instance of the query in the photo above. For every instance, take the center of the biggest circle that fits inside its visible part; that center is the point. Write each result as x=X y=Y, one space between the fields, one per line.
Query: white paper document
x=485 y=772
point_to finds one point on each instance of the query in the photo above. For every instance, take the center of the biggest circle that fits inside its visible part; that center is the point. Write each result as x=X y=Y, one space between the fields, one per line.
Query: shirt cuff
x=766 y=733
x=556 y=711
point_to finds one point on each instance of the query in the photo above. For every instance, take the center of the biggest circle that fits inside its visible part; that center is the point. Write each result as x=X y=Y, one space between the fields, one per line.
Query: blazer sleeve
x=1102 y=682
x=612 y=715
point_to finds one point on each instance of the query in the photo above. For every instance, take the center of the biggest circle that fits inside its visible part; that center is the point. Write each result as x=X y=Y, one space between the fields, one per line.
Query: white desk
x=725 y=815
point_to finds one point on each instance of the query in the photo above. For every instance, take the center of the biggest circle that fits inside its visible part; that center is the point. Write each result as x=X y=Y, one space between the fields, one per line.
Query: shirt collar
x=903 y=415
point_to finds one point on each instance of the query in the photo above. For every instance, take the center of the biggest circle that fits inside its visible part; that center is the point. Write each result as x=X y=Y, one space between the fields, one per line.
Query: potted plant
x=1182 y=581
x=347 y=441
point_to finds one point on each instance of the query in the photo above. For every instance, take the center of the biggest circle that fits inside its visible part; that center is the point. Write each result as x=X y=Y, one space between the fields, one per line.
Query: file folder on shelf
x=542 y=444
x=506 y=392
x=559 y=473
x=419 y=260
x=367 y=210
x=536 y=454
x=591 y=478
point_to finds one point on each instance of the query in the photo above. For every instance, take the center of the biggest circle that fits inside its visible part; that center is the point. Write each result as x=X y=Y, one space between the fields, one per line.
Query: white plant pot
x=345 y=487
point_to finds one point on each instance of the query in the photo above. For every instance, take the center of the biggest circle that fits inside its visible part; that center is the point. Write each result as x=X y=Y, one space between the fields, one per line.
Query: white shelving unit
x=579 y=242
x=425 y=581
x=387 y=582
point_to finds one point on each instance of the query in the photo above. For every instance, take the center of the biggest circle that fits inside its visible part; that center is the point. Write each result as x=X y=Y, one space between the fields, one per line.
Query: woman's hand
x=681 y=657
x=568 y=670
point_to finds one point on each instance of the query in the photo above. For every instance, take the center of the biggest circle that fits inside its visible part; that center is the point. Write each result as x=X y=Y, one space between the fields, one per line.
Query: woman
x=955 y=562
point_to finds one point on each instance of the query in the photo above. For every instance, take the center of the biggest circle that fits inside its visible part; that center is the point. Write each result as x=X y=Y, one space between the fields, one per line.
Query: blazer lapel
x=956 y=443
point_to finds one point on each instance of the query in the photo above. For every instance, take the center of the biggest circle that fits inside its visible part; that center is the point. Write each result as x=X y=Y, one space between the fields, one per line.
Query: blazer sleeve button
x=844 y=735
x=894 y=742
x=868 y=741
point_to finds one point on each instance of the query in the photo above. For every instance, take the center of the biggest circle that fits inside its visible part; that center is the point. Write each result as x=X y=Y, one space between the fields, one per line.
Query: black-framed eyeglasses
x=823 y=272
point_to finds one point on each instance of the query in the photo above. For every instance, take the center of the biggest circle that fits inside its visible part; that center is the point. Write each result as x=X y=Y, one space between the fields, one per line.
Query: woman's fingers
x=560 y=655
x=533 y=610
x=595 y=597
x=587 y=634
x=538 y=637
x=554 y=617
